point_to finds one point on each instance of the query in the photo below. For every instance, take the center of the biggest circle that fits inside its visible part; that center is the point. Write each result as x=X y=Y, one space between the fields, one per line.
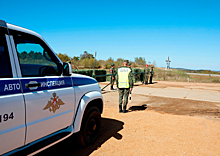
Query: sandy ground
x=154 y=125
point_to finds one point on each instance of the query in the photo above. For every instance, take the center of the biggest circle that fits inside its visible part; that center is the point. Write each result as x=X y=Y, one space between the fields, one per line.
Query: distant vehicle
x=41 y=101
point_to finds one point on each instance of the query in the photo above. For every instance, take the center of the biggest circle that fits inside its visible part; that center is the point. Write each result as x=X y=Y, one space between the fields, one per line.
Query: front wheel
x=90 y=126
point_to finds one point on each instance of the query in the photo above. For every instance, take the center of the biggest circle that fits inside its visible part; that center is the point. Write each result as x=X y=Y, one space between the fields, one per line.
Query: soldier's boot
x=124 y=109
x=112 y=88
x=120 y=109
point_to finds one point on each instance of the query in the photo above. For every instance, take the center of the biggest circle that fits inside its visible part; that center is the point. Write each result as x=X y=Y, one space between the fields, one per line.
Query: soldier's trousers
x=146 y=79
x=123 y=93
x=112 y=82
x=151 y=77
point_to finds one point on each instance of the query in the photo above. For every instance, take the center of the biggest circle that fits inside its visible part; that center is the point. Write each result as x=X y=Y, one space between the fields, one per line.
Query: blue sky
x=186 y=30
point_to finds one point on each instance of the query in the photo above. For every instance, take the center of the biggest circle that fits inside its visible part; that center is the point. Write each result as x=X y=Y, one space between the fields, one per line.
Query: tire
x=90 y=126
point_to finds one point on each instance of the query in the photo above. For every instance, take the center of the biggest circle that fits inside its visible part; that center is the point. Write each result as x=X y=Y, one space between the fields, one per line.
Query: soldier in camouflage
x=112 y=71
x=124 y=84
x=146 y=74
x=151 y=74
x=129 y=65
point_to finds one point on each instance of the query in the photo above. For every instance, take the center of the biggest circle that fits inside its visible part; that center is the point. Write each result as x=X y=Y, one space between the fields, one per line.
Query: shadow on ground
x=138 y=108
x=184 y=107
x=138 y=84
x=104 y=92
x=109 y=128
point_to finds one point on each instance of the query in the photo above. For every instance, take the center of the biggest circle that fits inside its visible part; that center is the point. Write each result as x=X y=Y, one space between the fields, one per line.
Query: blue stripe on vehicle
x=9 y=87
x=79 y=81
x=47 y=83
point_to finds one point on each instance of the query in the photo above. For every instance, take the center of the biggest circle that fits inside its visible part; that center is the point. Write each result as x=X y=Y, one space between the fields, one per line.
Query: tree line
x=86 y=60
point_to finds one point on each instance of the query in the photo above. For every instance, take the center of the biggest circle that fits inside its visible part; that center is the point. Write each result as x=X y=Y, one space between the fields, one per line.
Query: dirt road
x=154 y=125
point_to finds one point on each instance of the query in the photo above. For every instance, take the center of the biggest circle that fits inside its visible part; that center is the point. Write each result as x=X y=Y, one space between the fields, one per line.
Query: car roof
x=21 y=29
x=18 y=28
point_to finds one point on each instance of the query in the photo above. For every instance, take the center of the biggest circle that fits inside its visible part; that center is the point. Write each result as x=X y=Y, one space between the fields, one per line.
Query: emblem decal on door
x=54 y=103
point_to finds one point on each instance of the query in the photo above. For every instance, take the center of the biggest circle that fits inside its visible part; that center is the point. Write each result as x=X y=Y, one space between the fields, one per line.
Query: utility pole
x=94 y=66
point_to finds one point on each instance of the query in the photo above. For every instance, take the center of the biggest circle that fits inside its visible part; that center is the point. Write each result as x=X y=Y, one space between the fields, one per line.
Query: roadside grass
x=204 y=79
x=181 y=76
x=160 y=74
x=170 y=75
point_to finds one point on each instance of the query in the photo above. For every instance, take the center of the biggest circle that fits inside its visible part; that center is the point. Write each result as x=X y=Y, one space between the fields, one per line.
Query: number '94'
x=6 y=117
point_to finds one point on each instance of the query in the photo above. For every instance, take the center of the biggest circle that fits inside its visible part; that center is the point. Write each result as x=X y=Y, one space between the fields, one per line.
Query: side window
x=36 y=59
x=5 y=65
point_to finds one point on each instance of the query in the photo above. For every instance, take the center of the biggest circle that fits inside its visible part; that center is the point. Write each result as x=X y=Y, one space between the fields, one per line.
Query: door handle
x=28 y=85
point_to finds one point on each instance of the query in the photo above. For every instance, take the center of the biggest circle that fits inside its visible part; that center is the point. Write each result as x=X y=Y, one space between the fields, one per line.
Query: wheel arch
x=90 y=99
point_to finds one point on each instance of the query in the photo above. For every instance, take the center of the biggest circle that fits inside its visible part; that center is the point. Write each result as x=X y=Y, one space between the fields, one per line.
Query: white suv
x=41 y=101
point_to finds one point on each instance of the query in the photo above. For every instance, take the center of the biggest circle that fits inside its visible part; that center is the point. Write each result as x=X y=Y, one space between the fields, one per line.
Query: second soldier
x=151 y=74
x=146 y=74
x=112 y=71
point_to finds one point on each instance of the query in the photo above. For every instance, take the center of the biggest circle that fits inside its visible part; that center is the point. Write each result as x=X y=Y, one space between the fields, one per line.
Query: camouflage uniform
x=112 y=71
x=146 y=75
x=151 y=74
x=124 y=92
x=129 y=65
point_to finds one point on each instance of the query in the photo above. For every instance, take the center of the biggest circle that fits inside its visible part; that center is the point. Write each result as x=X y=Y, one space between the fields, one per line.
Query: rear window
x=5 y=65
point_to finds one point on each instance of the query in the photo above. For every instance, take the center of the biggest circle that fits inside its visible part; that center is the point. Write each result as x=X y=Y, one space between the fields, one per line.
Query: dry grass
x=181 y=76
x=204 y=79
x=170 y=75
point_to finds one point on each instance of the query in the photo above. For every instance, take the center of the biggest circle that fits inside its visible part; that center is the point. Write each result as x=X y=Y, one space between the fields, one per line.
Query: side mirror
x=67 y=69
x=60 y=69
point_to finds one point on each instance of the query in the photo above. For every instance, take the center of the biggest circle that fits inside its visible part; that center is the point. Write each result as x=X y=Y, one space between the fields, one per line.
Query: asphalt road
x=203 y=74
x=183 y=90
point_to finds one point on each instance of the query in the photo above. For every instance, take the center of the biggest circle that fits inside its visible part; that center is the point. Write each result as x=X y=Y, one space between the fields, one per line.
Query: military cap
x=129 y=63
x=112 y=64
x=152 y=66
x=126 y=61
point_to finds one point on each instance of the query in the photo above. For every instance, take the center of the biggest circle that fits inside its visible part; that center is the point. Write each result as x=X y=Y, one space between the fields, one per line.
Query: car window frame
x=44 y=45
x=7 y=49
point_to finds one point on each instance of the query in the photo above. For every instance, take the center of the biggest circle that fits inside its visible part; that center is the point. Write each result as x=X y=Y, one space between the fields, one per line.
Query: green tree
x=39 y=56
x=31 y=55
x=101 y=63
x=23 y=55
x=86 y=55
x=119 y=62
x=140 y=61
x=64 y=57
x=109 y=62
x=75 y=58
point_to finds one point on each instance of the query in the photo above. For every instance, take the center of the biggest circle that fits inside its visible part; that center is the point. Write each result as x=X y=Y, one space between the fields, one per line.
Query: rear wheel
x=90 y=126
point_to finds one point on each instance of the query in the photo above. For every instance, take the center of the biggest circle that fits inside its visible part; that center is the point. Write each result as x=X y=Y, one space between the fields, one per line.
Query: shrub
x=139 y=76
x=89 y=72
x=216 y=80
